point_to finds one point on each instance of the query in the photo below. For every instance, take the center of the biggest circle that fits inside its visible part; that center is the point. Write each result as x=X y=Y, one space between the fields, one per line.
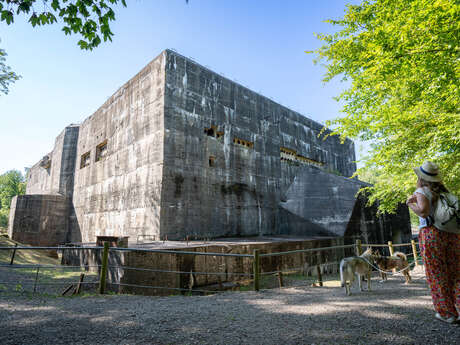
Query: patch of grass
x=24 y=257
x=39 y=257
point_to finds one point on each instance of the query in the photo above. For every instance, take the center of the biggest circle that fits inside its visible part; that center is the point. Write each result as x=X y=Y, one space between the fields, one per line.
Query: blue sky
x=260 y=44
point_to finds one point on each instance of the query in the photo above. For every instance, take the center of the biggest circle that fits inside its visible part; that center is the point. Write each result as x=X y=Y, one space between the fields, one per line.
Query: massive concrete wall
x=225 y=172
x=39 y=219
x=54 y=173
x=181 y=151
x=324 y=201
x=120 y=161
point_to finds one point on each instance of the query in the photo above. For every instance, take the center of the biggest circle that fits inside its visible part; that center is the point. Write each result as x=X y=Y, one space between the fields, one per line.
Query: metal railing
x=102 y=279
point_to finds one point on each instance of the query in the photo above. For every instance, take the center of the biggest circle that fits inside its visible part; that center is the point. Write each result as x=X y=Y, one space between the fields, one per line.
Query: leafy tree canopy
x=88 y=18
x=402 y=60
x=12 y=183
x=7 y=76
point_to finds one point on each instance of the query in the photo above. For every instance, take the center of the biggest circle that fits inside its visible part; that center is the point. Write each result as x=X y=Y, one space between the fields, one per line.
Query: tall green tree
x=401 y=59
x=12 y=183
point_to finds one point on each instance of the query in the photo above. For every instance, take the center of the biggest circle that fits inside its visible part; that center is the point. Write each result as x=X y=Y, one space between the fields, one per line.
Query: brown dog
x=398 y=261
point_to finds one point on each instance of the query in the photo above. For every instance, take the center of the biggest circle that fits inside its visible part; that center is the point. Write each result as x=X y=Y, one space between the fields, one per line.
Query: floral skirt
x=440 y=251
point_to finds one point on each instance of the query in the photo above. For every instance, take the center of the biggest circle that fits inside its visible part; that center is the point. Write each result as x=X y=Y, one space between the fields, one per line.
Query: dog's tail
x=400 y=255
x=343 y=265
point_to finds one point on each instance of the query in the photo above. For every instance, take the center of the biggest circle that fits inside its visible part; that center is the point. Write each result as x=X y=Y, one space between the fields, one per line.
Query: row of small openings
x=101 y=152
x=243 y=142
x=287 y=154
x=213 y=132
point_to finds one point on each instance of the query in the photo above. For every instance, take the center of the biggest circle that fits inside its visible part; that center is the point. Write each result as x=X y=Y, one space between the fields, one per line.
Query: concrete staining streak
x=227 y=142
x=184 y=81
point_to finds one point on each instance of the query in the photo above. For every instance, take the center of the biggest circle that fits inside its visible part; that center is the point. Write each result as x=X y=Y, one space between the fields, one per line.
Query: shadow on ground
x=393 y=313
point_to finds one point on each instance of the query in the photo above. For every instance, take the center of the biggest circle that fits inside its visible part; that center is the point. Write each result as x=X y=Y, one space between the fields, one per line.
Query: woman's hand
x=411 y=199
x=419 y=204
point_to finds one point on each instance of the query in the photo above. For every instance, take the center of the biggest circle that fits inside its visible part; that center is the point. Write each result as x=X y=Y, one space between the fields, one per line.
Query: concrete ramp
x=324 y=201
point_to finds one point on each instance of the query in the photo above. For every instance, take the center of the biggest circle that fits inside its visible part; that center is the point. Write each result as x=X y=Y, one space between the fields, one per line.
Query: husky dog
x=356 y=265
x=397 y=261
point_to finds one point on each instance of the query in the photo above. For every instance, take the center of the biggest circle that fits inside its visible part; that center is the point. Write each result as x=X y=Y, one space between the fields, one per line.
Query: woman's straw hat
x=428 y=172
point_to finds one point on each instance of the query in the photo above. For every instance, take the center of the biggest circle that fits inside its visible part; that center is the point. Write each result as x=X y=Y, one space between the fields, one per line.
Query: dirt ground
x=392 y=313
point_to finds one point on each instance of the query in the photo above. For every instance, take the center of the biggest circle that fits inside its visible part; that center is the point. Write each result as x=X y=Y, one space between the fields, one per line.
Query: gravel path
x=393 y=313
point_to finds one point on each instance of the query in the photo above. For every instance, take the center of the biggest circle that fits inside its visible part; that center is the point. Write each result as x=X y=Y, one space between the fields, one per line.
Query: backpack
x=446 y=214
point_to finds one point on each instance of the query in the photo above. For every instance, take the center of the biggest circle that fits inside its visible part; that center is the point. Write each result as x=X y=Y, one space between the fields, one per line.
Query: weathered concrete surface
x=370 y=228
x=39 y=219
x=120 y=193
x=240 y=192
x=54 y=173
x=181 y=151
x=227 y=266
x=324 y=200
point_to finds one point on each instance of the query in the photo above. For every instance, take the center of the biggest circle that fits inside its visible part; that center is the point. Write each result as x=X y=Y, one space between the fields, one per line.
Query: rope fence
x=257 y=268
x=180 y=272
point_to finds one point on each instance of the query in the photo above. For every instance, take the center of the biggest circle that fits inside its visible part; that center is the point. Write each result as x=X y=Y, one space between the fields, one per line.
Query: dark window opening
x=289 y=155
x=211 y=131
x=243 y=142
x=85 y=160
x=212 y=161
x=101 y=150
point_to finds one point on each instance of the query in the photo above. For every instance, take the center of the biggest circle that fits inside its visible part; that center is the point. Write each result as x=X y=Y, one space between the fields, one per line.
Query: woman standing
x=440 y=250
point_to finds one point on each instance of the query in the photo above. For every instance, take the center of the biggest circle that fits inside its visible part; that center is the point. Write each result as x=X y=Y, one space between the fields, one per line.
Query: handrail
x=307 y=250
x=385 y=245
x=255 y=273
x=162 y=251
x=48 y=248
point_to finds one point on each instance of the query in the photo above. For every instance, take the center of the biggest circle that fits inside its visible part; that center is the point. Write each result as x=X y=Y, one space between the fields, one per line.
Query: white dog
x=356 y=266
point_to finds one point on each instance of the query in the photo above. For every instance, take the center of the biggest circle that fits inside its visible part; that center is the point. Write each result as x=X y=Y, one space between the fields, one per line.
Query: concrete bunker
x=167 y=175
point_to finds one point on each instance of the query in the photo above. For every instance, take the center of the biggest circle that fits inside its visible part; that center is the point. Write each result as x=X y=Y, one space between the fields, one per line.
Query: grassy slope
x=36 y=257
x=23 y=257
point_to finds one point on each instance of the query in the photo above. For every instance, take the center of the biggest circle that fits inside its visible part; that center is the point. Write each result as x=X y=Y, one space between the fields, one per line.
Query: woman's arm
x=419 y=204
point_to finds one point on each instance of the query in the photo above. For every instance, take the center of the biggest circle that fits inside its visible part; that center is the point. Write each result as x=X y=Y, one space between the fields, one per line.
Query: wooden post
x=414 y=251
x=36 y=278
x=320 y=277
x=67 y=289
x=256 y=270
x=191 y=282
x=105 y=259
x=13 y=254
x=358 y=248
x=78 y=288
x=392 y=251
x=280 y=279
x=390 y=247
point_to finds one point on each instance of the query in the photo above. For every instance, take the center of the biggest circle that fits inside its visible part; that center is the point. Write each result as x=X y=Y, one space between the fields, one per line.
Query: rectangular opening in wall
x=101 y=150
x=306 y=160
x=243 y=142
x=85 y=159
x=211 y=131
x=212 y=161
x=290 y=155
